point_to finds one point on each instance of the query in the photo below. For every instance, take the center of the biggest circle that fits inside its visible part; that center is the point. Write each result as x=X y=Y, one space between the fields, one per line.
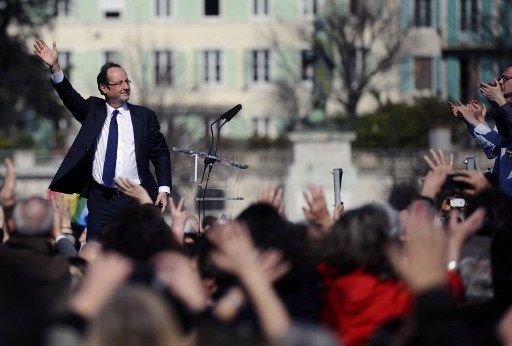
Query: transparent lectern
x=216 y=183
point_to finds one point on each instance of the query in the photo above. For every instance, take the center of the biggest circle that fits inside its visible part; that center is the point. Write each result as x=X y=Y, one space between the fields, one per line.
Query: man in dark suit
x=116 y=139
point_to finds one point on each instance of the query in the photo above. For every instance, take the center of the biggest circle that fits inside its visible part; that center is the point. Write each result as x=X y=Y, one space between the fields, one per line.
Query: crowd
x=380 y=274
x=374 y=275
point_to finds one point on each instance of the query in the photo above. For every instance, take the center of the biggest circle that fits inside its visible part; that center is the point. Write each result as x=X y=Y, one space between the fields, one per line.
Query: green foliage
x=401 y=125
x=263 y=142
x=25 y=92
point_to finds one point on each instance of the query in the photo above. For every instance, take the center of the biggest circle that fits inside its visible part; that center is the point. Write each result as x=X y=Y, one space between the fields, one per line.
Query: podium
x=216 y=183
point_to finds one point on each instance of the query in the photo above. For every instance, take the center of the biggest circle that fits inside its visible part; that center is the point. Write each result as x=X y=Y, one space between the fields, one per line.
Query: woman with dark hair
x=360 y=291
x=299 y=287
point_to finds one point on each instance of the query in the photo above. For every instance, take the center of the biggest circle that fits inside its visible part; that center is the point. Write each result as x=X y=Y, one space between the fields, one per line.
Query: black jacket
x=75 y=172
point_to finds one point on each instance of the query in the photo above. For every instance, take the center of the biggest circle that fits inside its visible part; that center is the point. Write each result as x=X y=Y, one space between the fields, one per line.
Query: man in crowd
x=29 y=254
x=499 y=94
x=117 y=139
x=495 y=142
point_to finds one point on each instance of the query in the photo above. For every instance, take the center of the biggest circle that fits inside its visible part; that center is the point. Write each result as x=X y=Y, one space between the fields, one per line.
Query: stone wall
x=377 y=169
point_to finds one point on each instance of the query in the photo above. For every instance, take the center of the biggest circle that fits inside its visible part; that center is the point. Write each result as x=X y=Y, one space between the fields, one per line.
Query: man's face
x=118 y=88
x=506 y=84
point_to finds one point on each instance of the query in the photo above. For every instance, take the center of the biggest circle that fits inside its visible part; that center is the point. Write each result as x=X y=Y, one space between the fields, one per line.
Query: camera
x=457 y=202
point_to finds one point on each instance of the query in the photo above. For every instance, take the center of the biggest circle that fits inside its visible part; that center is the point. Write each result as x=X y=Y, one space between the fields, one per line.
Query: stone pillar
x=440 y=137
x=315 y=155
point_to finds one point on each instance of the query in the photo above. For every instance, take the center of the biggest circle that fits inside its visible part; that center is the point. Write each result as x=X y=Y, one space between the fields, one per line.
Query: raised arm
x=73 y=101
x=473 y=114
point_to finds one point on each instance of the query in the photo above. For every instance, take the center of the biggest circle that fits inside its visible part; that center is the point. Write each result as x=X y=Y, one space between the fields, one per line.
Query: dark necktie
x=109 y=167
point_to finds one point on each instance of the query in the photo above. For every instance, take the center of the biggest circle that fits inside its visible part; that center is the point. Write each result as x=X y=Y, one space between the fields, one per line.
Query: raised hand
x=62 y=216
x=435 y=178
x=273 y=264
x=2 y=220
x=475 y=179
x=178 y=274
x=105 y=275
x=273 y=196
x=50 y=56
x=316 y=210
x=339 y=211
x=133 y=190
x=459 y=231
x=236 y=252
x=422 y=261
x=455 y=110
x=7 y=196
x=161 y=200
x=437 y=159
x=493 y=92
x=467 y=112
x=479 y=109
x=178 y=218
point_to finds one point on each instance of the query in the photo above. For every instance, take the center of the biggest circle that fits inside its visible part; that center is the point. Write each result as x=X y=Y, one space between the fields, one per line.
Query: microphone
x=231 y=113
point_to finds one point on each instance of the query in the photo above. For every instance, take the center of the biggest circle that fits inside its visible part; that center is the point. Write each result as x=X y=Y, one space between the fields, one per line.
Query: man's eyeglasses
x=120 y=83
x=504 y=78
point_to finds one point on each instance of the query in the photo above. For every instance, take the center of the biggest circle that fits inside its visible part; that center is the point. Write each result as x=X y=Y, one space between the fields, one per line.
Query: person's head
x=357 y=240
x=505 y=81
x=402 y=195
x=138 y=232
x=267 y=227
x=135 y=316
x=33 y=217
x=113 y=83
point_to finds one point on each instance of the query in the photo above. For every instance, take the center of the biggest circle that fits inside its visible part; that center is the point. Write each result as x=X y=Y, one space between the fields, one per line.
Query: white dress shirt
x=126 y=164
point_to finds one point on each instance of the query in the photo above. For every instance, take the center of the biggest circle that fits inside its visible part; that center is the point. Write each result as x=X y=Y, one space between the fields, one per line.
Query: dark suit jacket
x=75 y=172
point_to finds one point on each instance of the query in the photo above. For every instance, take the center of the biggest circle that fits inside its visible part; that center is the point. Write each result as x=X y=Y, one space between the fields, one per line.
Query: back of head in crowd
x=138 y=232
x=135 y=316
x=33 y=217
x=357 y=240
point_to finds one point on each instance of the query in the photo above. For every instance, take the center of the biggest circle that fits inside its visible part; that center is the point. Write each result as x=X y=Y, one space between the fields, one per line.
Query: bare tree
x=368 y=38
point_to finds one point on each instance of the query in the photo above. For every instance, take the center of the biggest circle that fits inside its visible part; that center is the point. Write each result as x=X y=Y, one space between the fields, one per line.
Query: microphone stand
x=209 y=161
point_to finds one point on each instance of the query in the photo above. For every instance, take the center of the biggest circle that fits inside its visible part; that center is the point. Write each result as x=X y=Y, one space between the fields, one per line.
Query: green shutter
x=189 y=10
x=247 y=69
x=180 y=69
x=285 y=9
x=229 y=68
x=235 y=10
x=198 y=68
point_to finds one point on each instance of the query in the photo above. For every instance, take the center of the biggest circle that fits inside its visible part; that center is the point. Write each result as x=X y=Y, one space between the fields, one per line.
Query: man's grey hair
x=33 y=217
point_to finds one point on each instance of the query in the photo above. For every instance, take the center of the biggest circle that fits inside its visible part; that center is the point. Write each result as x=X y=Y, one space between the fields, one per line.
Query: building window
x=211 y=7
x=112 y=9
x=422 y=12
x=163 y=68
x=468 y=15
x=62 y=8
x=260 y=7
x=111 y=55
x=423 y=73
x=163 y=8
x=261 y=126
x=260 y=65
x=309 y=8
x=66 y=63
x=212 y=66
x=306 y=56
